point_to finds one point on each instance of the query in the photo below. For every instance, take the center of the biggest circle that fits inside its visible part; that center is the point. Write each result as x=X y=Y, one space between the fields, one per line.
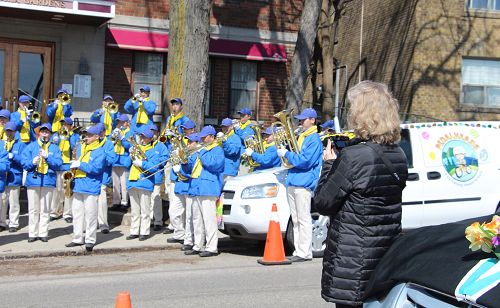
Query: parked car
x=453 y=168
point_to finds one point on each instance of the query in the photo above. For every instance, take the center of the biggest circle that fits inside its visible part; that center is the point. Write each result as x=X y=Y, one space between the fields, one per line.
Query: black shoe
x=156 y=228
x=44 y=239
x=105 y=231
x=172 y=240
x=52 y=218
x=186 y=247
x=124 y=208
x=132 y=237
x=143 y=237
x=68 y=219
x=295 y=259
x=73 y=244
x=168 y=231
x=12 y=229
x=208 y=254
x=32 y=239
x=115 y=207
x=191 y=252
x=89 y=247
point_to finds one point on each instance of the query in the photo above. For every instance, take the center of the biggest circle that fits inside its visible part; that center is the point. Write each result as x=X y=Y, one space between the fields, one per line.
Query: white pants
x=39 y=202
x=84 y=216
x=205 y=223
x=299 y=199
x=58 y=198
x=120 y=195
x=189 y=231
x=102 y=212
x=3 y=211
x=167 y=169
x=11 y=197
x=156 y=206
x=140 y=208
x=176 y=211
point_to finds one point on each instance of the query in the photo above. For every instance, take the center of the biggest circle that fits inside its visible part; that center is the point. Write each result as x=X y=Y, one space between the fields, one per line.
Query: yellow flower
x=493 y=225
x=476 y=238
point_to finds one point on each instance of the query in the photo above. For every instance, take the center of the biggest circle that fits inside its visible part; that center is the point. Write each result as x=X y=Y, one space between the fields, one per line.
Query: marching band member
x=4 y=118
x=232 y=149
x=22 y=118
x=244 y=127
x=104 y=116
x=110 y=159
x=301 y=182
x=328 y=127
x=177 y=203
x=4 y=167
x=156 y=202
x=141 y=107
x=14 y=149
x=41 y=159
x=177 y=118
x=268 y=159
x=140 y=186
x=66 y=140
x=87 y=169
x=207 y=176
x=123 y=162
x=56 y=111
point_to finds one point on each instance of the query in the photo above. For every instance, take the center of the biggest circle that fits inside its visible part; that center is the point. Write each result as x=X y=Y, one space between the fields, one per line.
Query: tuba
x=284 y=134
x=254 y=142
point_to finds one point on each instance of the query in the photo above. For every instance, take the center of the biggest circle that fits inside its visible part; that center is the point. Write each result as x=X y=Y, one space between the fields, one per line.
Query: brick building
x=440 y=58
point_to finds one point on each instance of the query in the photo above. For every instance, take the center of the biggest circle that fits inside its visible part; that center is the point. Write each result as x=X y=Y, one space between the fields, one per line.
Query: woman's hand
x=329 y=153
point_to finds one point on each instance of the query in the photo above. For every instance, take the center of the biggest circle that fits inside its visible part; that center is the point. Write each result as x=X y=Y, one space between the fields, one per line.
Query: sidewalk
x=15 y=245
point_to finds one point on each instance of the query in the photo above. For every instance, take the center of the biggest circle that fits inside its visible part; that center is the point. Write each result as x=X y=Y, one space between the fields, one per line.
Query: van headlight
x=260 y=191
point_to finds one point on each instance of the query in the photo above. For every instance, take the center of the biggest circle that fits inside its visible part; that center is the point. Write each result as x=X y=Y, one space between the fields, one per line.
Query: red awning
x=158 y=41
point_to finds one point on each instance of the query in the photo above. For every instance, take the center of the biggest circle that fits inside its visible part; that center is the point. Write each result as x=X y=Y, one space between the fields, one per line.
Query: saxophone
x=284 y=134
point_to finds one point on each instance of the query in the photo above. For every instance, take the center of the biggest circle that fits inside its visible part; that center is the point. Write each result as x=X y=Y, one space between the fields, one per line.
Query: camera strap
x=387 y=163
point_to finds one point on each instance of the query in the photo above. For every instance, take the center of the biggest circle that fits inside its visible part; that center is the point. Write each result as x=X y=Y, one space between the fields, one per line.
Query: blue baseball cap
x=245 y=111
x=95 y=120
x=226 y=122
x=146 y=131
x=62 y=91
x=46 y=126
x=10 y=126
x=194 y=137
x=153 y=127
x=4 y=113
x=188 y=124
x=145 y=89
x=67 y=121
x=101 y=127
x=24 y=99
x=123 y=117
x=94 y=130
x=306 y=114
x=176 y=101
x=328 y=124
x=207 y=130
x=269 y=130
x=107 y=96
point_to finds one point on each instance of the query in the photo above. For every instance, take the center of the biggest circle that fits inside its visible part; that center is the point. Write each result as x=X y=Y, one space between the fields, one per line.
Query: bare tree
x=188 y=55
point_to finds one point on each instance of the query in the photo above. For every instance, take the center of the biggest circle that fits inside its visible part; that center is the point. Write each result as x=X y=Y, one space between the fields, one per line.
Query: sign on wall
x=82 y=86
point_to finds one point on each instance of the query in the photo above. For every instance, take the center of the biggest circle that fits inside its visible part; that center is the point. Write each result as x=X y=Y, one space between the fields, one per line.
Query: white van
x=454 y=174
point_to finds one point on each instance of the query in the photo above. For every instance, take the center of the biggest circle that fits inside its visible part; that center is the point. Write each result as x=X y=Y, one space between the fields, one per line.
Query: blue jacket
x=210 y=181
x=132 y=108
x=52 y=108
x=179 y=122
x=268 y=159
x=54 y=160
x=150 y=164
x=95 y=117
x=73 y=140
x=164 y=154
x=111 y=157
x=243 y=133
x=16 y=118
x=15 y=172
x=4 y=166
x=124 y=159
x=232 y=155
x=307 y=163
x=187 y=187
x=94 y=169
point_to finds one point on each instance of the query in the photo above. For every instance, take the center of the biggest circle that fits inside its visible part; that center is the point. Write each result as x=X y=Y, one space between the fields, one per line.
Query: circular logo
x=460 y=160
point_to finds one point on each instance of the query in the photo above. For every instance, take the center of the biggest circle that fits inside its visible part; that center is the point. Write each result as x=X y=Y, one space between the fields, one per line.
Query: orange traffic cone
x=123 y=300
x=274 y=253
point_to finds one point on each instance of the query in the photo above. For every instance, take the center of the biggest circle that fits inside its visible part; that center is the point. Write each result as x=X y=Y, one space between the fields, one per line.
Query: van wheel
x=320 y=226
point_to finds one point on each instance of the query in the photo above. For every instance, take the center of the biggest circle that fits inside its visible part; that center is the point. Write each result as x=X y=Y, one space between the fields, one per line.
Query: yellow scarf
x=56 y=124
x=9 y=144
x=108 y=122
x=135 y=172
x=311 y=130
x=267 y=145
x=3 y=135
x=142 y=116
x=173 y=119
x=119 y=149
x=244 y=125
x=230 y=134
x=25 y=129
x=85 y=152
x=43 y=167
x=64 y=146
x=197 y=165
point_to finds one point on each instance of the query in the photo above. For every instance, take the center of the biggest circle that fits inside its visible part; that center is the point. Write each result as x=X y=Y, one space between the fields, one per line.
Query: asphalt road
x=163 y=278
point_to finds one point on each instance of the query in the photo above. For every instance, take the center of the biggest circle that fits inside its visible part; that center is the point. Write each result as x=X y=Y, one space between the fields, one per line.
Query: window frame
x=255 y=103
x=484 y=87
x=161 y=84
x=490 y=7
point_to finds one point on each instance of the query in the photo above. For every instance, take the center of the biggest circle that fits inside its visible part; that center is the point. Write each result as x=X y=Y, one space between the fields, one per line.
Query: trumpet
x=116 y=136
x=64 y=98
x=113 y=107
x=136 y=98
x=63 y=133
x=35 y=117
x=284 y=134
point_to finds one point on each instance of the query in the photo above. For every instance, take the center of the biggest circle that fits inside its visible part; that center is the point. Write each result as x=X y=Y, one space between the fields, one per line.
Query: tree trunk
x=303 y=54
x=187 y=67
x=326 y=40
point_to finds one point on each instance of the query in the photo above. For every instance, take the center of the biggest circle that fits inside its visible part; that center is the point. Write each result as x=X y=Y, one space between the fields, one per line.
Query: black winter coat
x=363 y=201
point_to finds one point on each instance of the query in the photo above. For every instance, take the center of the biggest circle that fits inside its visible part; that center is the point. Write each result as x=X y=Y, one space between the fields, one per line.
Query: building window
x=243 y=86
x=481 y=82
x=148 y=71
x=492 y=5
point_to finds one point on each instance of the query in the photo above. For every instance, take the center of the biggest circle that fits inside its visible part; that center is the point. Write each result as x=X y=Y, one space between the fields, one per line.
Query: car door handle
x=413 y=177
x=433 y=175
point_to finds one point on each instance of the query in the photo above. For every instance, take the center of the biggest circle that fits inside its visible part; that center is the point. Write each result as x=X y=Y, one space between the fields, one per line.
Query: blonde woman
x=361 y=192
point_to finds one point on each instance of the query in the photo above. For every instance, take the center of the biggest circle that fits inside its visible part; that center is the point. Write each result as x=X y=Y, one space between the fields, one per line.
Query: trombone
x=64 y=98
